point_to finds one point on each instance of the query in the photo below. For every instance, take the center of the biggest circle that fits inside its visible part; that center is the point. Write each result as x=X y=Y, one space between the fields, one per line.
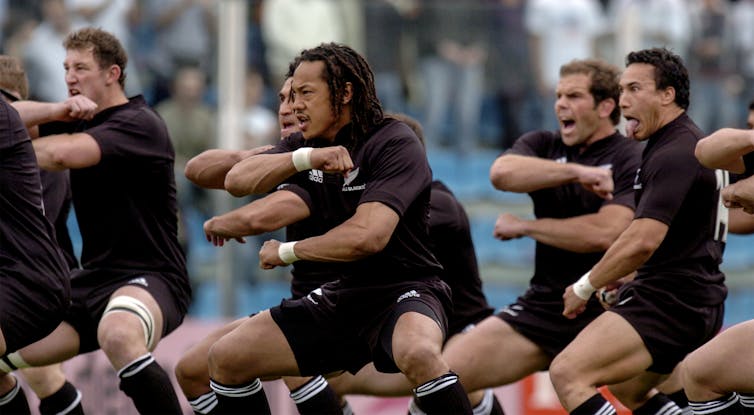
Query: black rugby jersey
x=126 y=204
x=674 y=188
x=390 y=167
x=56 y=194
x=450 y=234
x=555 y=268
x=308 y=275
x=28 y=251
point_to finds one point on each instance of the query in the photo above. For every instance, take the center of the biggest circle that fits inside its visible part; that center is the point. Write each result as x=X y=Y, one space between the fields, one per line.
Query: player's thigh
x=492 y=354
x=725 y=363
x=193 y=363
x=608 y=351
x=60 y=345
x=416 y=335
x=256 y=348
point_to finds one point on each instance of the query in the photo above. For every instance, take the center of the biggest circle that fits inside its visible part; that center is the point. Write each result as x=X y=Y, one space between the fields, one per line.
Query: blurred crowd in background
x=476 y=73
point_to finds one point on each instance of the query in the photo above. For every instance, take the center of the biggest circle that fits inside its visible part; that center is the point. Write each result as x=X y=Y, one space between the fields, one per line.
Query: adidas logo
x=316 y=176
x=408 y=294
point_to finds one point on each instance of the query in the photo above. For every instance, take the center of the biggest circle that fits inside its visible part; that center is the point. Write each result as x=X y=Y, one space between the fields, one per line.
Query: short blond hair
x=13 y=76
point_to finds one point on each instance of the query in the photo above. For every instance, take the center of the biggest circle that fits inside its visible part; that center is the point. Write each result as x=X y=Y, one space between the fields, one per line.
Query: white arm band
x=302 y=158
x=583 y=288
x=286 y=253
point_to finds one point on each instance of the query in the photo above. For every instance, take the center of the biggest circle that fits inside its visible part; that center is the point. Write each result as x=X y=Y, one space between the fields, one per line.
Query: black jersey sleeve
x=666 y=181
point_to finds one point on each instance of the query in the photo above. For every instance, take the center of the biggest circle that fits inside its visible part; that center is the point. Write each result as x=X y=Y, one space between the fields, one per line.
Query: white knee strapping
x=11 y=362
x=132 y=305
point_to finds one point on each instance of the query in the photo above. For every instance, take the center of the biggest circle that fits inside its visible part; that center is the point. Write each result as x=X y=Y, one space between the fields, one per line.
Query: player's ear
x=347 y=93
x=113 y=73
x=606 y=107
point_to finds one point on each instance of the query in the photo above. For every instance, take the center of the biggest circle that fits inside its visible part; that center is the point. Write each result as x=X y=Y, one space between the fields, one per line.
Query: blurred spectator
x=116 y=17
x=290 y=26
x=560 y=31
x=185 y=34
x=5 y=15
x=642 y=24
x=192 y=128
x=452 y=65
x=386 y=24
x=44 y=51
x=18 y=32
x=255 y=48
x=260 y=124
x=742 y=19
x=711 y=65
x=513 y=79
x=352 y=13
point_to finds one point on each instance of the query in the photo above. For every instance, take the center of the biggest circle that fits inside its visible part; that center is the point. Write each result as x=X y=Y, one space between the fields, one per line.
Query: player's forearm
x=725 y=148
x=629 y=252
x=578 y=234
x=345 y=243
x=513 y=173
x=259 y=174
x=209 y=168
x=740 y=222
x=584 y=233
x=34 y=113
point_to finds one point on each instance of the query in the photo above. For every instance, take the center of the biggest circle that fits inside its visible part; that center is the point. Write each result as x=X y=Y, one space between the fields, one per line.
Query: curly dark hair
x=669 y=71
x=604 y=81
x=344 y=65
x=106 y=48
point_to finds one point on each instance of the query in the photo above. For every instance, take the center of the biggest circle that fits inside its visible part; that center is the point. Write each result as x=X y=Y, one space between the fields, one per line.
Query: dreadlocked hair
x=344 y=65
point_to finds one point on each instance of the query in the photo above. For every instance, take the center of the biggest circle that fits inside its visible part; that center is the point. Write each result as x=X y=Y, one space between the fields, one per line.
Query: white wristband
x=286 y=253
x=302 y=158
x=583 y=288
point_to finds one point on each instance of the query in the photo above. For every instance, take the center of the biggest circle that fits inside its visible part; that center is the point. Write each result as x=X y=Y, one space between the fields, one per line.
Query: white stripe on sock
x=669 y=408
x=711 y=407
x=309 y=389
x=606 y=409
x=204 y=404
x=435 y=385
x=10 y=395
x=237 y=392
x=485 y=406
x=73 y=404
x=135 y=366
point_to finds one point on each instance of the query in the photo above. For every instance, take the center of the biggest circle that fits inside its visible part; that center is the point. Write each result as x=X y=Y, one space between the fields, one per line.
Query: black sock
x=14 y=402
x=746 y=402
x=659 y=404
x=489 y=405
x=443 y=395
x=66 y=401
x=203 y=404
x=727 y=405
x=680 y=399
x=240 y=399
x=316 y=397
x=597 y=404
x=149 y=387
x=497 y=408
